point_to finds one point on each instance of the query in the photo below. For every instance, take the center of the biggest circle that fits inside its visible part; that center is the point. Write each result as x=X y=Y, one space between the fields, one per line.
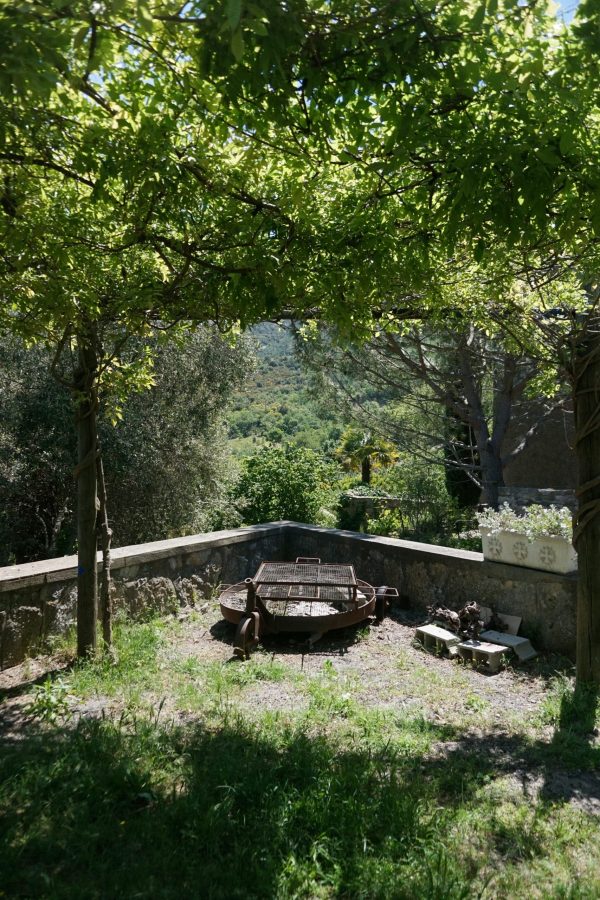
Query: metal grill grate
x=329 y=593
x=305 y=574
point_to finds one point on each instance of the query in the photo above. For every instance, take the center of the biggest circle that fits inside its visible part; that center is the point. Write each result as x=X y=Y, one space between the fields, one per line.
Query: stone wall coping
x=410 y=546
x=414 y=550
x=64 y=568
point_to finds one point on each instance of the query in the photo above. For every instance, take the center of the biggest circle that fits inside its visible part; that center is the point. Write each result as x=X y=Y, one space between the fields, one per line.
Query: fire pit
x=305 y=595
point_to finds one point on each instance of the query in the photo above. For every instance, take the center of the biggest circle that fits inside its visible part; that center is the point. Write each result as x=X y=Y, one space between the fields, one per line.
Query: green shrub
x=427 y=511
x=288 y=482
x=389 y=523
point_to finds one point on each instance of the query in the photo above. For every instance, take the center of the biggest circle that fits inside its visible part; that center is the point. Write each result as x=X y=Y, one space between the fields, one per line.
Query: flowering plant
x=535 y=522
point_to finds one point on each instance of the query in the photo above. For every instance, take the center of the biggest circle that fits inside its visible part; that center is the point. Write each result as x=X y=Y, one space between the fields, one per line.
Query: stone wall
x=521 y=497
x=38 y=599
x=425 y=574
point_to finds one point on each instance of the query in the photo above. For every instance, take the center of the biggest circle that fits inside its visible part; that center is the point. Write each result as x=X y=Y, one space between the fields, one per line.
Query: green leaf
x=595 y=218
x=566 y=143
x=144 y=15
x=80 y=36
x=234 y=13
x=548 y=156
x=258 y=27
x=479 y=16
x=237 y=44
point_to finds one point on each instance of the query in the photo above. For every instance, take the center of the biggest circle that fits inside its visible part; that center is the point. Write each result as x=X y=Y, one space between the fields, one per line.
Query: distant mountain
x=277 y=404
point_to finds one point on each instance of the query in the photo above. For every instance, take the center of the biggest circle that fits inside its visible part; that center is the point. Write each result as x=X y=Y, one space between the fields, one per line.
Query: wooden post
x=87 y=498
x=586 y=537
x=105 y=577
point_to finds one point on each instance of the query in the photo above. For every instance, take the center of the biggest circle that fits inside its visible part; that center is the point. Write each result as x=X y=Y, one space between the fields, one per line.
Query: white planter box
x=551 y=554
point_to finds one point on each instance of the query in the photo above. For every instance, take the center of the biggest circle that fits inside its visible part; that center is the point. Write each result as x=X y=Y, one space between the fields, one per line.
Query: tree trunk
x=365 y=470
x=87 y=499
x=105 y=580
x=461 y=457
x=492 y=477
x=586 y=397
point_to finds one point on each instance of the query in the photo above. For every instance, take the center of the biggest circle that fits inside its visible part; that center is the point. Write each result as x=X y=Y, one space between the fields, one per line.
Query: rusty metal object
x=302 y=596
x=247 y=634
x=381 y=601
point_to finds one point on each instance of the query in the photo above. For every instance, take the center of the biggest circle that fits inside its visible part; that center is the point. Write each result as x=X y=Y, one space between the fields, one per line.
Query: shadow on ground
x=336 y=642
x=135 y=808
x=566 y=769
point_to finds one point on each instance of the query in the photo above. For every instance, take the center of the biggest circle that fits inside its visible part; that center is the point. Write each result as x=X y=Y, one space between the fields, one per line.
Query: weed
x=50 y=701
x=403 y=661
x=476 y=703
x=133 y=666
x=572 y=708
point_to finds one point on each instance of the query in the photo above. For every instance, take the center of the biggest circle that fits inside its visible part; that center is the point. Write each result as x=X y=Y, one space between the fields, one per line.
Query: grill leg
x=247 y=635
x=315 y=637
x=381 y=603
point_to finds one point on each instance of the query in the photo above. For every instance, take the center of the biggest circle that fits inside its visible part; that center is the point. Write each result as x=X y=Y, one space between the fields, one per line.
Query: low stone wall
x=38 y=599
x=425 y=574
x=521 y=497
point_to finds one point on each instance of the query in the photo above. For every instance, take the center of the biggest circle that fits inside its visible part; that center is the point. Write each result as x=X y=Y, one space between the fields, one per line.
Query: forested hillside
x=276 y=403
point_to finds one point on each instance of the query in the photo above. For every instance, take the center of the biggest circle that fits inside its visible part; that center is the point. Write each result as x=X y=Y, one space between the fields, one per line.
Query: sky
x=567 y=8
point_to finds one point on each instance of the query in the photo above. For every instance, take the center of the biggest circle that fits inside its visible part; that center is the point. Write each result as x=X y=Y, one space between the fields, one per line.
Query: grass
x=186 y=789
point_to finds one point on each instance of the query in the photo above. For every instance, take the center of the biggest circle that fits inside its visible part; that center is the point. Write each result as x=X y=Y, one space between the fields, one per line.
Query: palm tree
x=359 y=449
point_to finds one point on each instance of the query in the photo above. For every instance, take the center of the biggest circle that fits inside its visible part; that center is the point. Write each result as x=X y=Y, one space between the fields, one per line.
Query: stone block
x=520 y=645
x=128 y=572
x=197 y=559
x=11 y=646
x=150 y=595
x=67 y=604
x=29 y=619
x=51 y=616
x=186 y=591
x=437 y=638
x=482 y=653
x=20 y=634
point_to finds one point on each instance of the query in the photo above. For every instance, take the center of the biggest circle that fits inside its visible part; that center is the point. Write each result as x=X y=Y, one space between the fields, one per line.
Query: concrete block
x=482 y=653
x=513 y=623
x=439 y=639
x=521 y=646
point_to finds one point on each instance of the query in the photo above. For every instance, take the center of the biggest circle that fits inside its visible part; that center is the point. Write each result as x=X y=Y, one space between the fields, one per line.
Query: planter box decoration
x=550 y=553
x=539 y=538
